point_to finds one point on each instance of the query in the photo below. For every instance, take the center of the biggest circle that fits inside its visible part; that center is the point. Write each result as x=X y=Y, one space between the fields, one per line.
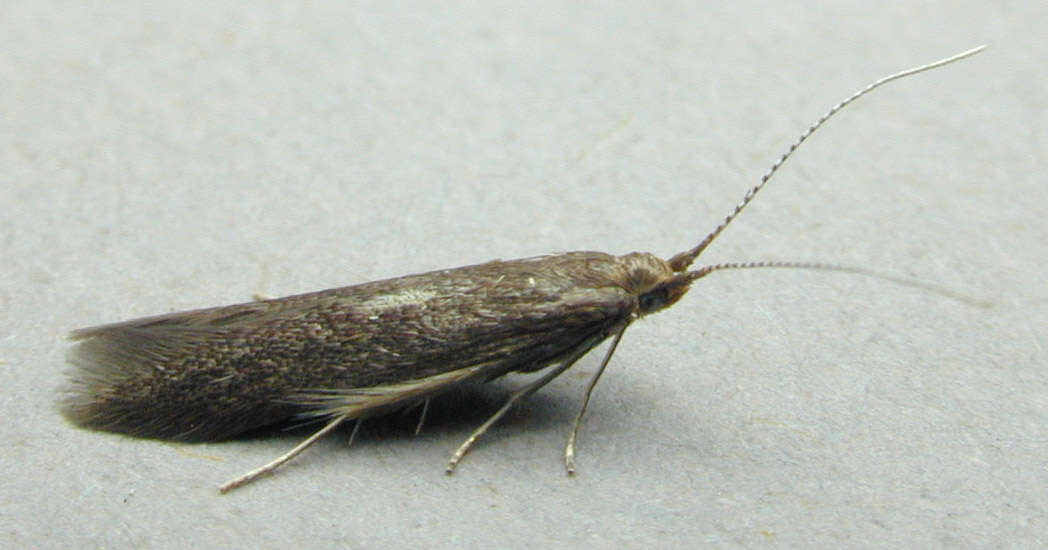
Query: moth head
x=651 y=279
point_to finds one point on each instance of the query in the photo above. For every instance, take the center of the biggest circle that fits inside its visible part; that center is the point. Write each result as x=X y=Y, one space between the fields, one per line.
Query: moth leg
x=280 y=461
x=353 y=434
x=422 y=417
x=569 y=449
x=261 y=297
x=513 y=398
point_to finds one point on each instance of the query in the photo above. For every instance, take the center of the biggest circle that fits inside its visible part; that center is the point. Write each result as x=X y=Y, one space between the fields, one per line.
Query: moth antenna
x=682 y=260
x=904 y=281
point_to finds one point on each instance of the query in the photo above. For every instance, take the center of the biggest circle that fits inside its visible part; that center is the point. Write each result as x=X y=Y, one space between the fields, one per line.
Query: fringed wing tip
x=80 y=334
x=107 y=375
x=90 y=377
x=109 y=388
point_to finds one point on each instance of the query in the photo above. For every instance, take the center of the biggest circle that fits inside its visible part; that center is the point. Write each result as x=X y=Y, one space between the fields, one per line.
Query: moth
x=354 y=352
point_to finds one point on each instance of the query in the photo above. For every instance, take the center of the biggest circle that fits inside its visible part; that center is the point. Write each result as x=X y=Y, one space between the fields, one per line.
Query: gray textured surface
x=174 y=155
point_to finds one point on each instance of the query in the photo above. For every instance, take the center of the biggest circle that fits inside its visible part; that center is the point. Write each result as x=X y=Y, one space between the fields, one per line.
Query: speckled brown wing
x=213 y=373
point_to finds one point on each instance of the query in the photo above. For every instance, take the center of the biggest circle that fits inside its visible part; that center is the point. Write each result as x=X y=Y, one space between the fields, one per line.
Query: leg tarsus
x=569 y=449
x=281 y=460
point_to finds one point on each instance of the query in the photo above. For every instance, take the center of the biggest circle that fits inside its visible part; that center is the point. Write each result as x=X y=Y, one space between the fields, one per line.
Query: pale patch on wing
x=355 y=402
x=404 y=297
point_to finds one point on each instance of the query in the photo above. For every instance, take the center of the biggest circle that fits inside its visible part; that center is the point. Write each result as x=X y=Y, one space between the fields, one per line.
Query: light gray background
x=162 y=156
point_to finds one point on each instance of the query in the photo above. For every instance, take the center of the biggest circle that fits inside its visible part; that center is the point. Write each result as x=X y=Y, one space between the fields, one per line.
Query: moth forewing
x=352 y=352
x=214 y=373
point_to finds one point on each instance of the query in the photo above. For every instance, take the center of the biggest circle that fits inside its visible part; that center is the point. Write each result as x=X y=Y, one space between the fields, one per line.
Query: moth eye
x=653 y=300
